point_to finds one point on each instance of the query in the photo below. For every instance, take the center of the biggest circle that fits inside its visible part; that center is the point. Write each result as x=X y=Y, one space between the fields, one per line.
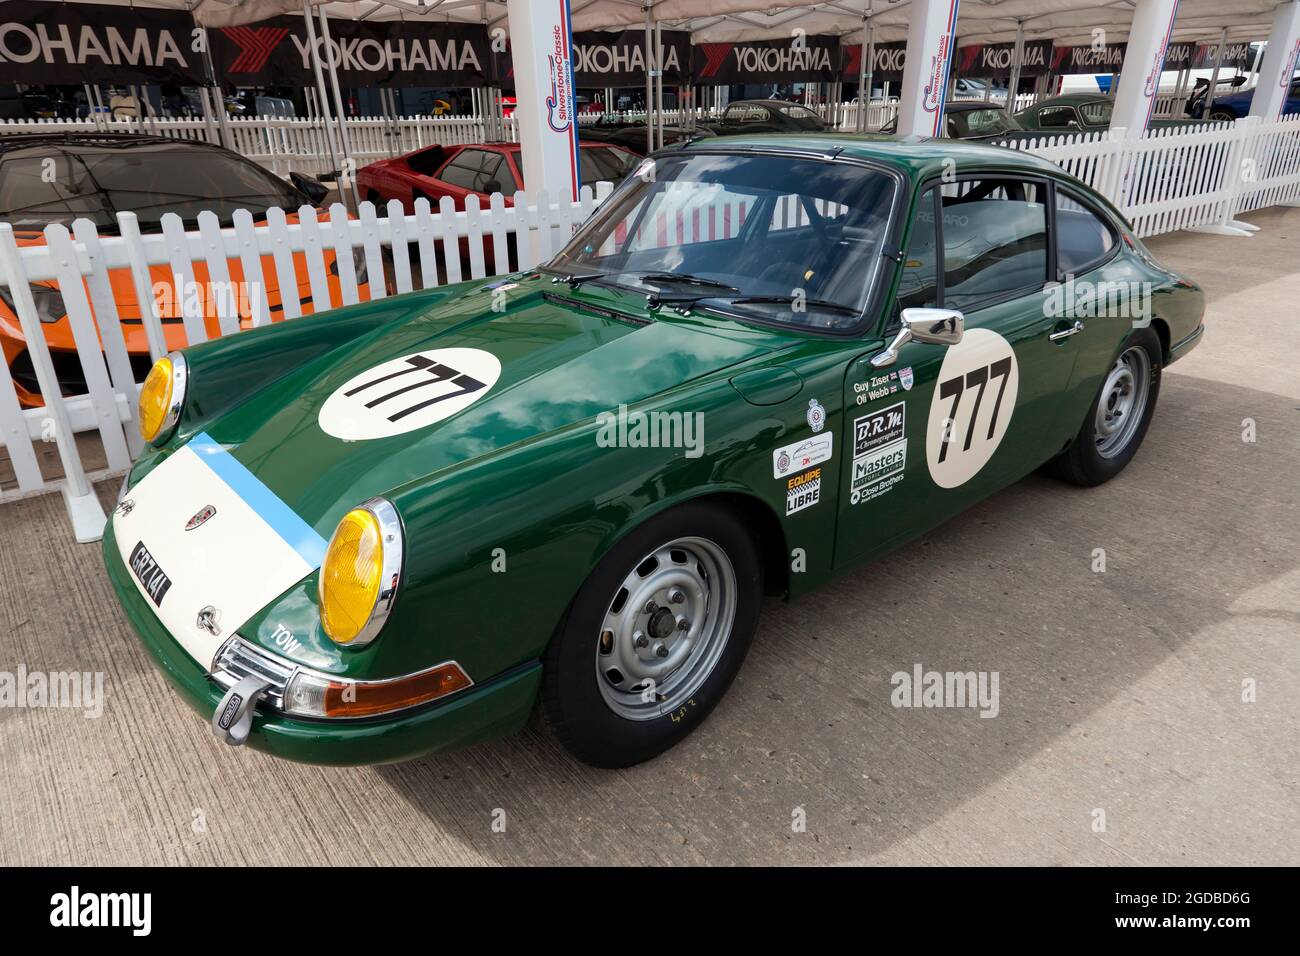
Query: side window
x=463 y=169
x=994 y=239
x=1056 y=117
x=1082 y=237
x=919 y=286
x=490 y=178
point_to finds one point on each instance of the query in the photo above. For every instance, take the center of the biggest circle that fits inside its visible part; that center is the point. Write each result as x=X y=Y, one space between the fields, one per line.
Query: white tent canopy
x=1066 y=22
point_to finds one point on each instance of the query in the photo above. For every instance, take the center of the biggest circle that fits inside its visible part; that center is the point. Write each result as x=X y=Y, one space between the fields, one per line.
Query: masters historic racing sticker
x=879 y=452
x=407 y=393
x=974 y=399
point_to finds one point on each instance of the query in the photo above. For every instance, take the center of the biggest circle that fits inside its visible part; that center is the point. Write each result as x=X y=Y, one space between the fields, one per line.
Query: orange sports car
x=60 y=177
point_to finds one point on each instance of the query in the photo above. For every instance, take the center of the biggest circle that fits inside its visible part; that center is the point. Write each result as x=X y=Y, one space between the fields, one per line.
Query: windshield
x=988 y=122
x=1098 y=113
x=720 y=231
x=63 y=183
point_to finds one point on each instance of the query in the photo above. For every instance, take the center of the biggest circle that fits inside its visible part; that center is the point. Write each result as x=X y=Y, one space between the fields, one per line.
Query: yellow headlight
x=351 y=576
x=161 y=397
x=155 y=398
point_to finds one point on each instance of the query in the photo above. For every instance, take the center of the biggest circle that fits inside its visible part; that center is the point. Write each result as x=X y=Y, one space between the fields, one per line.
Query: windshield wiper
x=789 y=300
x=573 y=281
x=682 y=278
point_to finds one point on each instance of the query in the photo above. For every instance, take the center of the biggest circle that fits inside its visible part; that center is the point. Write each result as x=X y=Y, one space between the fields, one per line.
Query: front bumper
x=491 y=709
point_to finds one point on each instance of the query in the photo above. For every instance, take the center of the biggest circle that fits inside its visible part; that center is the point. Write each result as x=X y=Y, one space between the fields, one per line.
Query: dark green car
x=382 y=531
x=1078 y=113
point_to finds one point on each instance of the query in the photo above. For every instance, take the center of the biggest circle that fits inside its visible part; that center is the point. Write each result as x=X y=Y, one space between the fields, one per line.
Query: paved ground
x=1121 y=692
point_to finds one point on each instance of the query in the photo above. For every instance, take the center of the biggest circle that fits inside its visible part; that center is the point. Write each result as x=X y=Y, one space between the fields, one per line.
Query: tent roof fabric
x=1066 y=22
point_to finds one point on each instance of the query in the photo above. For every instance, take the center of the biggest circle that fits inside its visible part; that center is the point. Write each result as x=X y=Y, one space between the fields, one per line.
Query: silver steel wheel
x=1123 y=400
x=665 y=628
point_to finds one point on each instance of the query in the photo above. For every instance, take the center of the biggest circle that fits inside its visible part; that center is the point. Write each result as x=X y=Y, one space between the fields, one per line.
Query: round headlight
x=162 y=397
x=359 y=576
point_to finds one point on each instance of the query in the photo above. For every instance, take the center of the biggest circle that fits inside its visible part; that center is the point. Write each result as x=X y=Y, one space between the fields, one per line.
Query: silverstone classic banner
x=77 y=43
x=392 y=53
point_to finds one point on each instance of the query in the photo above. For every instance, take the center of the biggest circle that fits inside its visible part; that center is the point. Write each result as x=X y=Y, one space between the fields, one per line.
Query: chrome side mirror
x=930 y=326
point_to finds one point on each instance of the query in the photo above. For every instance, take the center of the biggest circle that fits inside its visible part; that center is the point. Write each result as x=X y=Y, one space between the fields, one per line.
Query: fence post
x=83 y=506
x=1234 y=174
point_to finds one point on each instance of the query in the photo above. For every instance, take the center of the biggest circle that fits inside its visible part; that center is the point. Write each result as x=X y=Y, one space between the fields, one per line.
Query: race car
x=762 y=361
x=477 y=169
x=60 y=177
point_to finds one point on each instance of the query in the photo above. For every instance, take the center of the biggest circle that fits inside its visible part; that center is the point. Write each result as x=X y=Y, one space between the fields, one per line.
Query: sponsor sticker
x=803 y=491
x=879 y=428
x=816 y=415
x=151 y=577
x=801 y=455
x=877 y=471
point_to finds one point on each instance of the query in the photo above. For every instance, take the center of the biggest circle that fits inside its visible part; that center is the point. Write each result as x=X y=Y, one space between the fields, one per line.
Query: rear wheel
x=1119 y=417
x=1222 y=116
x=654 y=637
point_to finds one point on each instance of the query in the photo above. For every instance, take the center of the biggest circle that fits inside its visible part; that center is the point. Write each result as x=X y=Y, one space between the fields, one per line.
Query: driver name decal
x=974 y=399
x=407 y=393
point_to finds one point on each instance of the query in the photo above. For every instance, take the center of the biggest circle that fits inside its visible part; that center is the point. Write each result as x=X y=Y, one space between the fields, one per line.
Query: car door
x=942 y=427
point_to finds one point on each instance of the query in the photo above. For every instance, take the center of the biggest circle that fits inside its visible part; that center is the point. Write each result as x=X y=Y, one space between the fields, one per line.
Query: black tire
x=1083 y=463
x=1222 y=116
x=573 y=701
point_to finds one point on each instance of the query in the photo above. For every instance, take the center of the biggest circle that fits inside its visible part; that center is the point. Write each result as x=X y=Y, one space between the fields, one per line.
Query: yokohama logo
x=255 y=46
x=715 y=54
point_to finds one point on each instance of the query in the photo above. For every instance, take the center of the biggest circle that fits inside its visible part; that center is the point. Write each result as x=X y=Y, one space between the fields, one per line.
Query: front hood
x=540 y=362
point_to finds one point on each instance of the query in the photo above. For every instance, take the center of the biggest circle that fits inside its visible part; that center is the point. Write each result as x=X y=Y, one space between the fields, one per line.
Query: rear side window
x=994 y=239
x=1083 y=238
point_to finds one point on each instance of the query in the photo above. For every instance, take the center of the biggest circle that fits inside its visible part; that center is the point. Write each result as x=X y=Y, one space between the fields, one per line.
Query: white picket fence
x=1188 y=177
x=311 y=259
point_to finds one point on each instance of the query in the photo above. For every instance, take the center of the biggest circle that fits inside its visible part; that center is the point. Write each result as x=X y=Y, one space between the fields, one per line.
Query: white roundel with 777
x=407 y=393
x=974 y=399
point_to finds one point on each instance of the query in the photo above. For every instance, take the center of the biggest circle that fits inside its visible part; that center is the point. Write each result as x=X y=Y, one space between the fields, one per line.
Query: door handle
x=1066 y=333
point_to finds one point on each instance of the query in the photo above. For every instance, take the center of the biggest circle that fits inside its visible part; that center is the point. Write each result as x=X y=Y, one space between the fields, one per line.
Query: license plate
x=151 y=577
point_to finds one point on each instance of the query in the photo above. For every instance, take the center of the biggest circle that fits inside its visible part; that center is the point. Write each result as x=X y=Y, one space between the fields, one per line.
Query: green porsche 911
x=386 y=530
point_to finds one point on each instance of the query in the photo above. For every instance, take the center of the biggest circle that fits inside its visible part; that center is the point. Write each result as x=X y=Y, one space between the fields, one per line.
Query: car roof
x=14 y=141
x=969 y=106
x=914 y=156
x=767 y=102
x=1069 y=99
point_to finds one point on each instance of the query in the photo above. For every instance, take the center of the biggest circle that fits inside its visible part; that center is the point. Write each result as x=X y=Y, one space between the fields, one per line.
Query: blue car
x=1231 y=106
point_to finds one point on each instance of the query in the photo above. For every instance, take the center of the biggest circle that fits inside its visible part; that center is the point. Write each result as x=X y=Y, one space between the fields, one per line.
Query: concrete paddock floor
x=1121 y=692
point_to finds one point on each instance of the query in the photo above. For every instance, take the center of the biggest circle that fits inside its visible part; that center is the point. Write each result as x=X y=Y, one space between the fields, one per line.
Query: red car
x=476 y=168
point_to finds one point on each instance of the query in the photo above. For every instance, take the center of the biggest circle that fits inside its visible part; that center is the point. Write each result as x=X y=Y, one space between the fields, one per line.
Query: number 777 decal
x=973 y=403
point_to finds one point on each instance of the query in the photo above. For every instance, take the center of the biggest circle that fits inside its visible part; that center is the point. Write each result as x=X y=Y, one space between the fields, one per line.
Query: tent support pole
x=321 y=99
x=659 y=86
x=865 y=69
x=345 y=138
x=1017 y=58
x=649 y=82
x=1214 y=77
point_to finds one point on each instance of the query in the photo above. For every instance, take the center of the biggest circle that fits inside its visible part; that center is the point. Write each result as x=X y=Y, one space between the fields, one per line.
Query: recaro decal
x=974 y=399
x=407 y=393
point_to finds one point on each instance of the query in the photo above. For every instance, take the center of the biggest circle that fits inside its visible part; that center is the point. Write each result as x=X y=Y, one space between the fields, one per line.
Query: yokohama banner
x=618 y=59
x=77 y=43
x=1107 y=58
x=890 y=59
x=394 y=53
x=797 y=60
x=994 y=59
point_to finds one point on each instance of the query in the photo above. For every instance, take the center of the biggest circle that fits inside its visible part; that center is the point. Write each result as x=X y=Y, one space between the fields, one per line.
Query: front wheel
x=1118 y=419
x=654 y=637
